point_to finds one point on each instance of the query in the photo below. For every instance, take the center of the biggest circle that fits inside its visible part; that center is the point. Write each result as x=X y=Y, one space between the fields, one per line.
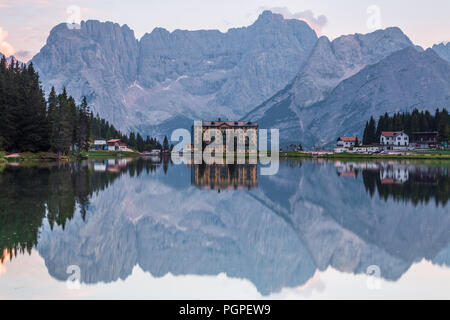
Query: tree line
x=409 y=122
x=31 y=123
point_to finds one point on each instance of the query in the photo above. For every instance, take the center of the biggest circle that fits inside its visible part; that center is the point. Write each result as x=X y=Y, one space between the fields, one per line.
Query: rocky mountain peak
x=443 y=50
x=168 y=76
x=268 y=16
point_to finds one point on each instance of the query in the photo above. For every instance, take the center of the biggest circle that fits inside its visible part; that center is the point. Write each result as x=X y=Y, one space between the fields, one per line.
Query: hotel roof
x=229 y=123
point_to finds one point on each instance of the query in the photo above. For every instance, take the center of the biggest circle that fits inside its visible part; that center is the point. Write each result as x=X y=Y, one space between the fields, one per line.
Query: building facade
x=117 y=145
x=346 y=142
x=394 y=138
x=99 y=145
x=244 y=135
x=425 y=140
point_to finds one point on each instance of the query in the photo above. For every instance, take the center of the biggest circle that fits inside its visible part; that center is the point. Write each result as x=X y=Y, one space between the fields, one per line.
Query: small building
x=346 y=142
x=117 y=145
x=425 y=140
x=99 y=145
x=394 y=138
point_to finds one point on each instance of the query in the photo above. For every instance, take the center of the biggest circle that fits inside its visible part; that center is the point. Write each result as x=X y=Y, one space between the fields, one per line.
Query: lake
x=123 y=228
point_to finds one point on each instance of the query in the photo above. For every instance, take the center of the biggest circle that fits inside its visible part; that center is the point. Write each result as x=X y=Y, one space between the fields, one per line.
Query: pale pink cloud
x=5 y=47
x=315 y=22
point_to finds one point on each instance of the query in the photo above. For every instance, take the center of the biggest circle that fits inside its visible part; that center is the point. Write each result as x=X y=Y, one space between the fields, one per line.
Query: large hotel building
x=245 y=134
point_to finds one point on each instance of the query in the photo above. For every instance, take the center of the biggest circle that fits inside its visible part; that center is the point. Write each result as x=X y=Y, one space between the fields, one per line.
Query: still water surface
x=151 y=229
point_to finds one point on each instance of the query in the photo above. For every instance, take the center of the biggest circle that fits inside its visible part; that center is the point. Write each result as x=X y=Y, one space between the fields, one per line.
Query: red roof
x=116 y=141
x=391 y=133
x=348 y=139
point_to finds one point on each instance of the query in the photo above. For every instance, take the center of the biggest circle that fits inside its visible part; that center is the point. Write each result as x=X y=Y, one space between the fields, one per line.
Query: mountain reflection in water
x=107 y=216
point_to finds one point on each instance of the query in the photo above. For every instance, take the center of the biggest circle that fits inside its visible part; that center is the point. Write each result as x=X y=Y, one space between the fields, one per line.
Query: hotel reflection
x=225 y=177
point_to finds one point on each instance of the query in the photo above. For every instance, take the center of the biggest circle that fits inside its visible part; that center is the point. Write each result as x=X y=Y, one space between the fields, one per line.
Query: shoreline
x=53 y=157
x=445 y=155
x=28 y=157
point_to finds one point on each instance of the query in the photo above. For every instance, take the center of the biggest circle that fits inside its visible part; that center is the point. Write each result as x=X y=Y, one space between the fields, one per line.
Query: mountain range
x=276 y=72
x=167 y=79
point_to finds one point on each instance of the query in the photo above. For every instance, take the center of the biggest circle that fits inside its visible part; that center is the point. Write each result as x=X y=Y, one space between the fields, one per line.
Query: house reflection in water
x=225 y=177
x=111 y=165
x=394 y=174
x=402 y=181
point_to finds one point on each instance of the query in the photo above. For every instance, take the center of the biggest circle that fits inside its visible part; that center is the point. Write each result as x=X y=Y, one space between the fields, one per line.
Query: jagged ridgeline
x=28 y=195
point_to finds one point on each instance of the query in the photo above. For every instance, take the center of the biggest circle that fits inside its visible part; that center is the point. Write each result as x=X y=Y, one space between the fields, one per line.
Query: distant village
x=389 y=142
x=392 y=141
x=420 y=131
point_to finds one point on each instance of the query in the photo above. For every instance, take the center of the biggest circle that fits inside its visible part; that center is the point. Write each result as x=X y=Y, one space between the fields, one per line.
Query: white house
x=99 y=145
x=346 y=142
x=394 y=138
x=117 y=145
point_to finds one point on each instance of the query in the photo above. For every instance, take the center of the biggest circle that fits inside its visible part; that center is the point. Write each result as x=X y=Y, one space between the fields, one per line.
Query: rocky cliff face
x=443 y=50
x=344 y=90
x=169 y=78
x=329 y=64
x=405 y=80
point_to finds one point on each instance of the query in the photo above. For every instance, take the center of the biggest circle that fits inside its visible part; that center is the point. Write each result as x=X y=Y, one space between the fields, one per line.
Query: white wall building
x=394 y=138
x=346 y=142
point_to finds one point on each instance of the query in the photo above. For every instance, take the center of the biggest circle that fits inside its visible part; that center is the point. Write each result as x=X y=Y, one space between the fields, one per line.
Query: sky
x=26 y=277
x=26 y=24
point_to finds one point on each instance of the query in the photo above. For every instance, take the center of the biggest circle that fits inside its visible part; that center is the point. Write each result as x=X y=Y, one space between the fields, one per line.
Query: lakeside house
x=99 y=145
x=343 y=144
x=346 y=142
x=425 y=140
x=117 y=145
x=392 y=140
x=246 y=134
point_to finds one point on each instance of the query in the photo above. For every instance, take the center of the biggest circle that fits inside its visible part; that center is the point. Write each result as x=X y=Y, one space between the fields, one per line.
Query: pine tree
x=365 y=137
x=165 y=143
x=371 y=131
x=140 y=143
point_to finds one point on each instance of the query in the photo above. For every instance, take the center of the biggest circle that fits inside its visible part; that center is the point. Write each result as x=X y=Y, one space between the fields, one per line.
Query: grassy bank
x=40 y=156
x=109 y=154
x=3 y=162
